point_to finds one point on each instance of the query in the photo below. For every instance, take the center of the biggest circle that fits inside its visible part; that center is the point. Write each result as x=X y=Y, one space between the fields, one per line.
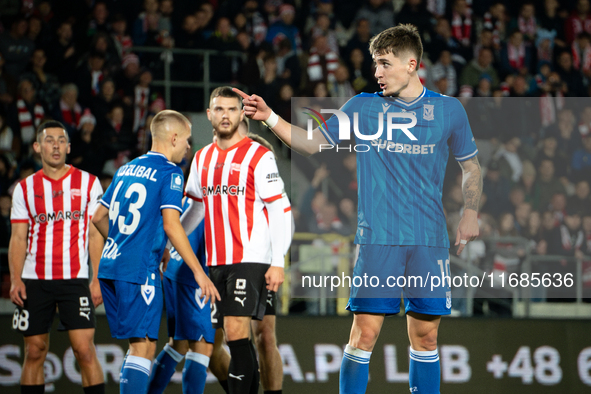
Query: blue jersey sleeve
x=171 y=192
x=461 y=140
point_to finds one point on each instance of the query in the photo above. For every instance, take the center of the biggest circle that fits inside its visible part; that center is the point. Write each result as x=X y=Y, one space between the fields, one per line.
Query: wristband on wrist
x=272 y=120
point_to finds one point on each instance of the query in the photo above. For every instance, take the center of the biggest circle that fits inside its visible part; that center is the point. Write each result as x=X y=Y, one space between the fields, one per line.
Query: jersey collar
x=236 y=145
x=406 y=103
x=152 y=153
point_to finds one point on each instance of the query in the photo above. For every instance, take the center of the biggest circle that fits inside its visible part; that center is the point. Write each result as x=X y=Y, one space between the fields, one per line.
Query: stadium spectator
x=533 y=232
x=322 y=27
x=16 y=48
x=549 y=151
x=341 y=87
x=545 y=43
x=572 y=77
x=473 y=71
x=516 y=57
x=322 y=62
x=46 y=85
x=141 y=25
x=552 y=20
x=581 y=200
x=581 y=163
x=443 y=40
x=567 y=137
x=25 y=115
x=117 y=138
x=284 y=27
x=460 y=16
x=256 y=24
x=497 y=191
x=69 y=110
x=86 y=151
x=359 y=40
x=568 y=238
x=5 y=232
x=99 y=21
x=547 y=184
x=579 y=21
x=34 y=31
x=8 y=143
x=102 y=103
x=126 y=81
x=585 y=121
x=61 y=54
x=121 y=39
x=508 y=159
x=226 y=68
x=288 y=64
x=552 y=94
x=526 y=22
x=522 y=214
x=362 y=79
x=142 y=99
x=581 y=54
x=7 y=84
x=443 y=69
x=283 y=104
x=379 y=14
x=416 y=12
x=166 y=16
x=268 y=83
x=89 y=77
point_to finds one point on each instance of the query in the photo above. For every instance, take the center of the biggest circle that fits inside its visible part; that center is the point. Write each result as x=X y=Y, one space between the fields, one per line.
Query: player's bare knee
x=266 y=340
x=364 y=337
x=85 y=354
x=36 y=351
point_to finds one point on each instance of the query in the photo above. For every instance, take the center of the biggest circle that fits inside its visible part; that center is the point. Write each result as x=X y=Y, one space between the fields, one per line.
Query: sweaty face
x=393 y=72
x=53 y=147
x=225 y=115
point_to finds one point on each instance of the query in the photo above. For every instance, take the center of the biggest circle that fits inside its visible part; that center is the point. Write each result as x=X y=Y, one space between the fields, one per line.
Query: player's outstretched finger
x=460 y=249
x=241 y=93
x=458 y=235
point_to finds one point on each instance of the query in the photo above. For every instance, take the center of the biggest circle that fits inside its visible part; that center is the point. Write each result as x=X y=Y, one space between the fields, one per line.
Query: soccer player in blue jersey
x=139 y=210
x=401 y=229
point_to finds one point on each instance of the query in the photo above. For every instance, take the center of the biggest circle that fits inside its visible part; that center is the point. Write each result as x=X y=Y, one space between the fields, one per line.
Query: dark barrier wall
x=477 y=356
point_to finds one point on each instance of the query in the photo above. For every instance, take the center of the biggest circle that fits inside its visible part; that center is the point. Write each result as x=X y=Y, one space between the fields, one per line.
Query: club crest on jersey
x=176 y=183
x=148 y=292
x=448 y=299
x=235 y=167
x=428 y=113
x=76 y=193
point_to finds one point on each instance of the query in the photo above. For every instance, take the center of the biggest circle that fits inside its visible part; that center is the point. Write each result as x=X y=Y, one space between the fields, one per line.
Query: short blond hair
x=163 y=118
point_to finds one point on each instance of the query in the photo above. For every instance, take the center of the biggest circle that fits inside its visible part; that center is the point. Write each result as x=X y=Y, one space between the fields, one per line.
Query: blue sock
x=123 y=364
x=136 y=373
x=354 y=371
x=163 y=369
x=195 y=373
x=424 y=372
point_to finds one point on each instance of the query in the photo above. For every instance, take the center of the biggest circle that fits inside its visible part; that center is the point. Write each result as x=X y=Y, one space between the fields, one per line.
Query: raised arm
x=293 y=136
x=472 y=190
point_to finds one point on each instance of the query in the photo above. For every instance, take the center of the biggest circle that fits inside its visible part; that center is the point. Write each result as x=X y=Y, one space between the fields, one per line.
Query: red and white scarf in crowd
x=549 y=105
x=516 y=56
x=140 y=107
x=495 y=25
x=461 y=26
x=71 y=117
x=581 y=58
x=97 y=78
x=26 y=121
x=527 y=26
x=567 y=240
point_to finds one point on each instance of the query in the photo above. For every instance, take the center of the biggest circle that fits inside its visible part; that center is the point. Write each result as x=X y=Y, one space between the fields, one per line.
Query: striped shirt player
x=51 y=243
x=58 y=213
x=234 y=187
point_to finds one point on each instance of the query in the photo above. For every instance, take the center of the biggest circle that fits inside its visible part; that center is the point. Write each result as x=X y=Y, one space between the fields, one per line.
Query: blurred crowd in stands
x=74 y=61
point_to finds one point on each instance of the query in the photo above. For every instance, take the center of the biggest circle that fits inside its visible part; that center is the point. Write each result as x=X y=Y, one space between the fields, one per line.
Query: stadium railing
x=167 y=57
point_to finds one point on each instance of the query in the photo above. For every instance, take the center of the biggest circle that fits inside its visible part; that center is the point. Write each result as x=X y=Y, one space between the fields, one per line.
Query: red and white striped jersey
x=234 y=185
x=58 y=213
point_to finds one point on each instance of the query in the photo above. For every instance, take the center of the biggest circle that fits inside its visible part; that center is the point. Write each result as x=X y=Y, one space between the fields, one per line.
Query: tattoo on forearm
x=472 y=184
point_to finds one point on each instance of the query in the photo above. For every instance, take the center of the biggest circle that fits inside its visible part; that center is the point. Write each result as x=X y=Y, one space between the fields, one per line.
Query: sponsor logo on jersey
x=111 y=249
x=385 y=107
x=176 y=183
x=85 y=308
x=232 y=190
x=57 y=193
x=273 y=177
x=239 y=377
x=58 y=216
x=396 y=147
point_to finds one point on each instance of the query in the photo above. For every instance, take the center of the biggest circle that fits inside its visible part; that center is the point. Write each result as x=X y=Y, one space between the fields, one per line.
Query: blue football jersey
x=400 y=171
x=180 y=272
x=135 y=198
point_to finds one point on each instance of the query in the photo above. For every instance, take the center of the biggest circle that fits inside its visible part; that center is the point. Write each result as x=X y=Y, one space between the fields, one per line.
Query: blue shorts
x=398 y=271
x=188 y=315
x=133 y=311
